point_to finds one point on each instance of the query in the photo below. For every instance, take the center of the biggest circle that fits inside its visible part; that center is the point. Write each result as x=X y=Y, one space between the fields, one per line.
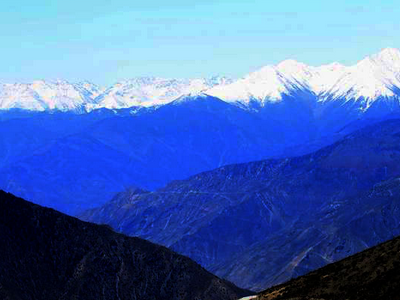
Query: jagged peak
x=387 y=57
x=291 y=64
x=389 y=54
x=264 y=72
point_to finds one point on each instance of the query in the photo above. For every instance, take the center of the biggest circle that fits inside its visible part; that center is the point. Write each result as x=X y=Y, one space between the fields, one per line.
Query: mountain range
x=47 y=255
x=74 y=161
x=108 y=145
x=261 y=223
x=373 y=78
x=258 y=180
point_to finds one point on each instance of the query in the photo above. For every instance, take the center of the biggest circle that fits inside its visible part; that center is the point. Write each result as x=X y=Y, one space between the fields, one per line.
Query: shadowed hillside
x=47 y=255
x=370 y=275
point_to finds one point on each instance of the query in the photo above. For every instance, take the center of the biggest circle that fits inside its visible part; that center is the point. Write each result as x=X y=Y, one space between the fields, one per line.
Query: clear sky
x=108 y=40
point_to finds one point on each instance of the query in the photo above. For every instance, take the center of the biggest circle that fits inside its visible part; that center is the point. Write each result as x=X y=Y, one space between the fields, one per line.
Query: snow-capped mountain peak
x=366 y=81
x=41 y=95
x=291 y=67
x=153 y=91
x=266 y=84
x=257 y=86
x=390 y=56
x=370 y=79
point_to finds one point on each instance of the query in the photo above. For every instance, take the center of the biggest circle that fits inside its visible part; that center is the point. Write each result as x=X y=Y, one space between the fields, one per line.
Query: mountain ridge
x=376 y=76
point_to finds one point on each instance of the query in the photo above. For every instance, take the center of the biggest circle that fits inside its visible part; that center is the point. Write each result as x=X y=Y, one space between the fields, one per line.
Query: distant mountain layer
x=47 y=255
x=60 y=95
x=72 y=162
x=374 y=79
x=261 y=223
x=152 y=91
x=74 y=146
x=371 y=275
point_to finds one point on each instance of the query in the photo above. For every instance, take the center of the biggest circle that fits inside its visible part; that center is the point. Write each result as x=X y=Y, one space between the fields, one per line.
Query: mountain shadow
x=47 y=255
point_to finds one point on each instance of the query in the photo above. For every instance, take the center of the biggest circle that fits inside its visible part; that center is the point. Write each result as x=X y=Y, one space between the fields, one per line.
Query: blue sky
x=106 y=41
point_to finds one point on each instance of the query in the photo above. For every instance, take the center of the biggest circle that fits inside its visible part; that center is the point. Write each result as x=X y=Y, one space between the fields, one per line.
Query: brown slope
x=47 y=255
x=372 y=274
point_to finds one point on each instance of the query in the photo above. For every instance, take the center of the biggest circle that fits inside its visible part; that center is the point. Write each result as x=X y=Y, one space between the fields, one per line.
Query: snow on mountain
x=374 y=77
x=271 y=82
x=47 y=95
x=266 y=83
x=370 y=79
x=190 y=98
x=151 y=91
x=325 y=77
x=93 y=90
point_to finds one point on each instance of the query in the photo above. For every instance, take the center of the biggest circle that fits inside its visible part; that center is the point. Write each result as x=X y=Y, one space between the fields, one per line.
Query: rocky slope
x=340 y=229
x=370 y=275
x=47 y=255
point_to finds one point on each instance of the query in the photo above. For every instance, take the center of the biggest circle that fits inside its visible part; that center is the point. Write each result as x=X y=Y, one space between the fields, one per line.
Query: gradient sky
x=107 y=40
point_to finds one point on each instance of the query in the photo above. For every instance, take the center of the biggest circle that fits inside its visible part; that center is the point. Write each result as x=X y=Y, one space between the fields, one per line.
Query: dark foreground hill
x=47 y=255
x=370 y=275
